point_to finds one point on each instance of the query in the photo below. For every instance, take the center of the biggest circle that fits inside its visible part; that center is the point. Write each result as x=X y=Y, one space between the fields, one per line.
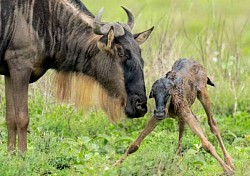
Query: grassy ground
x=66 y=141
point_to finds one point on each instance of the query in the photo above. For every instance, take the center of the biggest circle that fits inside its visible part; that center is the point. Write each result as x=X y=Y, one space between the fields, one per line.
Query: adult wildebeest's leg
x=181 y=131
x=20 y=77
x=10 y=115
x=136 y=144
x=194 y=124
x=204 y=99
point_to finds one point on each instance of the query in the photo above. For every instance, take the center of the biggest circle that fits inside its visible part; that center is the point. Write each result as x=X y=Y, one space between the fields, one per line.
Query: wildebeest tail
x=209 y=82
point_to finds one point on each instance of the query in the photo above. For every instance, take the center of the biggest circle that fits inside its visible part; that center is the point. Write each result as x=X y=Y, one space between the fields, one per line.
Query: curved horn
x=101 y=28
x=130 y=18
x=119 y=31
x=97 y=24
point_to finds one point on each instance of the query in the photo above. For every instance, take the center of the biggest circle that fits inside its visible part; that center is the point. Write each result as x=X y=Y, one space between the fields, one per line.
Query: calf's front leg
x=152 y=123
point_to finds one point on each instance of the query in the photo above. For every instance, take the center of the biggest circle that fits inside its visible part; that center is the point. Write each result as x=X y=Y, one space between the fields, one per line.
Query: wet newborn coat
x=174 y=95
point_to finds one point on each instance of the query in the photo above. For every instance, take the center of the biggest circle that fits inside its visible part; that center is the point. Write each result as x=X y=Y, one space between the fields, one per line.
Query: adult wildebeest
x=174 y=95
x=89 y=56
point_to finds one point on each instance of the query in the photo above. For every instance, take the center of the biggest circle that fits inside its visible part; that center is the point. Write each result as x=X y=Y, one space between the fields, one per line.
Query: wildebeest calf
x=174 y=95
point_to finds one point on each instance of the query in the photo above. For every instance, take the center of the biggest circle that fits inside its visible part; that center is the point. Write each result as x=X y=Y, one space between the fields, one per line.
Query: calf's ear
x=140 y=38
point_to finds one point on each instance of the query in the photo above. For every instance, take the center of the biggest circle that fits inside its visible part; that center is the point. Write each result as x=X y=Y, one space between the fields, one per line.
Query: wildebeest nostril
x=140 y=105
x=138 y=108
x=159 y=114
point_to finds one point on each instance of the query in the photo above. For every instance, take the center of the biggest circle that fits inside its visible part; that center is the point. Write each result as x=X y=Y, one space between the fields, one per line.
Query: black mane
x=82 y=7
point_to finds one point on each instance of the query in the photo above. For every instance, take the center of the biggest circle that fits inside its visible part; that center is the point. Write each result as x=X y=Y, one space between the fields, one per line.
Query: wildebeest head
x=162 y=93
x=122 y=47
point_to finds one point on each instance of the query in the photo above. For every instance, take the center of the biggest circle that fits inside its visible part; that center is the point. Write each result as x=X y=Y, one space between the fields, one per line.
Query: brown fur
x=84 y=92
x=183 y=84
x=38 y=35
x=177 y=93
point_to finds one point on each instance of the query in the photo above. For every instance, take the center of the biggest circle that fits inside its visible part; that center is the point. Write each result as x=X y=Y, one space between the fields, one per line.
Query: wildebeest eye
x=127 y=54
x=120 y=51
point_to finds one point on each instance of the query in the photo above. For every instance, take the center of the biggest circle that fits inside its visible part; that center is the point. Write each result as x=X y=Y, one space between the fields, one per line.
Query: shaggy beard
x=84 y=92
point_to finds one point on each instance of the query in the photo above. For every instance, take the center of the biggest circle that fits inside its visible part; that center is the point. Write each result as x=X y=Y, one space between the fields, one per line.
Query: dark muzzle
x=160 y=114
x=136 y=107
x=141 y=107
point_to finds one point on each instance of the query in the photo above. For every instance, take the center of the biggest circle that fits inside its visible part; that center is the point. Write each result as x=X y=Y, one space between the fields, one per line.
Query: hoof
x=229 y=162
x=118 y=162
x=228 y=171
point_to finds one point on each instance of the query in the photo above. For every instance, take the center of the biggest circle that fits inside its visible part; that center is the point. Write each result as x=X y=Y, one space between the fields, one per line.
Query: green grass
x=66 y=141
x=90 y=146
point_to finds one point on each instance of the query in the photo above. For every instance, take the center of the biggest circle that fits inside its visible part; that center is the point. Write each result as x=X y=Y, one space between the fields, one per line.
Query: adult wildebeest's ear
x=111 y=36
x=143 y=36
x=105 y=43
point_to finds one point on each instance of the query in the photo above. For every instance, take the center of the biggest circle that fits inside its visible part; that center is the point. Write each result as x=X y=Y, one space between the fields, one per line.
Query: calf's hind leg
x=194 y=124
x=204 y=99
